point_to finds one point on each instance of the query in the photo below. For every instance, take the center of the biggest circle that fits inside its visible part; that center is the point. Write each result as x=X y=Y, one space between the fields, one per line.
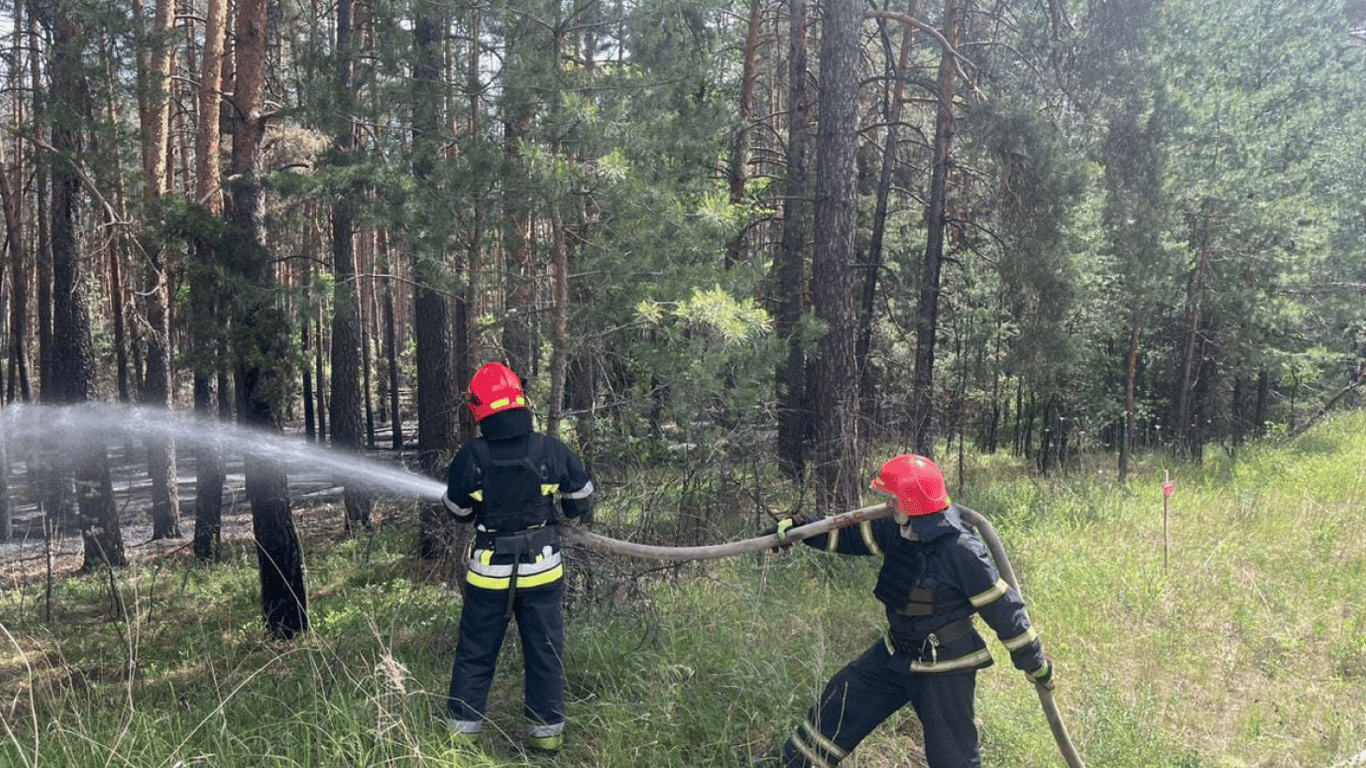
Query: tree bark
x=927 y=315
x=347 y=425
x=793 y=408
x=74 y=372
x=262 y=337
x=519 y=286
x=738 y=166
x=435 y=402
x=391 y=349
x=210 y=472
x=43 y=205
x=12 y=200
x=836 y=445
x=156 y=386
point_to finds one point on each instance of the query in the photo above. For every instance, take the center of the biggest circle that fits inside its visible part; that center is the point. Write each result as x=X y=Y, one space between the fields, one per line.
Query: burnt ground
x=316 y=502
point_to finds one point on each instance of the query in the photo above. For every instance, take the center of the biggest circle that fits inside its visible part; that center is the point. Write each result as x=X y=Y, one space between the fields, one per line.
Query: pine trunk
x=262 y=328
x=927 y=319
x=836 y=449
x=210 y=472
x=793 y=409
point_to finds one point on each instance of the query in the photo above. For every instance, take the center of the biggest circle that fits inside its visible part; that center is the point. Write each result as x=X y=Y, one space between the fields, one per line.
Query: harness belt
x=945 y=634
x=518 y=544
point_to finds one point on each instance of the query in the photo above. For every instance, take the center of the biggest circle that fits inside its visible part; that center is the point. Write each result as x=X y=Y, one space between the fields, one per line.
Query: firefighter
x=507 y=482
x=935 y=575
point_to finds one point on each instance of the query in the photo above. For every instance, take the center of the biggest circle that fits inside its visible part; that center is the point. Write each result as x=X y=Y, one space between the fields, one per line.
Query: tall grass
x=1233 y=635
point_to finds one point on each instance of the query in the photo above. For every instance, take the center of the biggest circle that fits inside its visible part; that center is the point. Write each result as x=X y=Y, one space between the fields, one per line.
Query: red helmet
x=493 y=388
x=916 y=482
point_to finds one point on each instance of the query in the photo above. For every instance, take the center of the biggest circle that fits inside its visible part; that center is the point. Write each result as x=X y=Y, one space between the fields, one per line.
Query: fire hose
x=1050 y=707
x=987 y=533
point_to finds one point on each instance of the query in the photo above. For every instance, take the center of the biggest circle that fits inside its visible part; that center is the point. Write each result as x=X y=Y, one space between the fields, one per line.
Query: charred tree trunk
x=73 y=357
x=262 y=336
x=432 y=318
x=793 y=407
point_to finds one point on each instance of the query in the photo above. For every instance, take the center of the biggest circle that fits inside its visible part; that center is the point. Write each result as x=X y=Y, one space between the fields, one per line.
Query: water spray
x=37 y=429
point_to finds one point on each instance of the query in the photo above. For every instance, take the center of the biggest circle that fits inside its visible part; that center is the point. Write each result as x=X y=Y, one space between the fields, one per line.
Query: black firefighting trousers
x=866 y=692
x=483 y=624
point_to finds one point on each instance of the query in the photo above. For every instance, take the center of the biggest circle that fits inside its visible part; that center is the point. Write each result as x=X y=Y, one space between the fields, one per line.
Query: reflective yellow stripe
x=866 y=528
x=997 y=590
x=501 y=402
x=832 y=540
x=523 y=582
x=948 y=665
x=1016 y=643
x=821 y=741
x=478 y=495
x=549 y=489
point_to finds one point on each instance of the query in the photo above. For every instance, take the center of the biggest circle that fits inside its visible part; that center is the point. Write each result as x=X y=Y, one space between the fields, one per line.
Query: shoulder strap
x=482 y=459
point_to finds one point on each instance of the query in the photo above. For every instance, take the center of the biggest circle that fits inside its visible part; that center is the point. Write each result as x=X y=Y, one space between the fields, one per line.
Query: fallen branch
x=1324 y=409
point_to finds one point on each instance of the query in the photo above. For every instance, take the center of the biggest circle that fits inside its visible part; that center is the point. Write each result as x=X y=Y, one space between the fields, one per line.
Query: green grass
x=1233 y=636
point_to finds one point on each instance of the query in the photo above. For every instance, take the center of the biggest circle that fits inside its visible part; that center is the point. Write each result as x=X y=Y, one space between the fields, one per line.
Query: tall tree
x=737 y=169
x=154 y=111
x=74 y=371
x=936 y=219
x=432 y=318
x=793 y=399
x=210 y=473
x=261 y=330
x=836 y=448
x=899 y=65
x=14 y=201
x=345 y=406
x=526 y=58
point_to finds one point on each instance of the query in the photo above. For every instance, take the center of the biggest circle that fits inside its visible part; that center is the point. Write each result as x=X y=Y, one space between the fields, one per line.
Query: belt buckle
x=932 y=640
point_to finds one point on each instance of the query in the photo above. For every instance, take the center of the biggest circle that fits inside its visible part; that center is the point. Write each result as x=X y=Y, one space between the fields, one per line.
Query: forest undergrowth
x=1229 y=632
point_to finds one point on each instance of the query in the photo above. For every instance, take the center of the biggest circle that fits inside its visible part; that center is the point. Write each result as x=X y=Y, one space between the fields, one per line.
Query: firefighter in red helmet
x=935 y=576
x=514 y=484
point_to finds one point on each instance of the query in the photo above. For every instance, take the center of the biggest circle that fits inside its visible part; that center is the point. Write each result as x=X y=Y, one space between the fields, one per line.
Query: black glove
x=781 y=530
x=1043 y=675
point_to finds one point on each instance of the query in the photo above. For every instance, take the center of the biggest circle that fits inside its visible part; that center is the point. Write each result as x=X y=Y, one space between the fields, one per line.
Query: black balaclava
x=505 y=425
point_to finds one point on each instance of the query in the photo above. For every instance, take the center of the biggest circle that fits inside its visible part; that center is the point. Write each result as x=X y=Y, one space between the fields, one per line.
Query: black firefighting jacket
x=524 y=542
x=931 y=587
